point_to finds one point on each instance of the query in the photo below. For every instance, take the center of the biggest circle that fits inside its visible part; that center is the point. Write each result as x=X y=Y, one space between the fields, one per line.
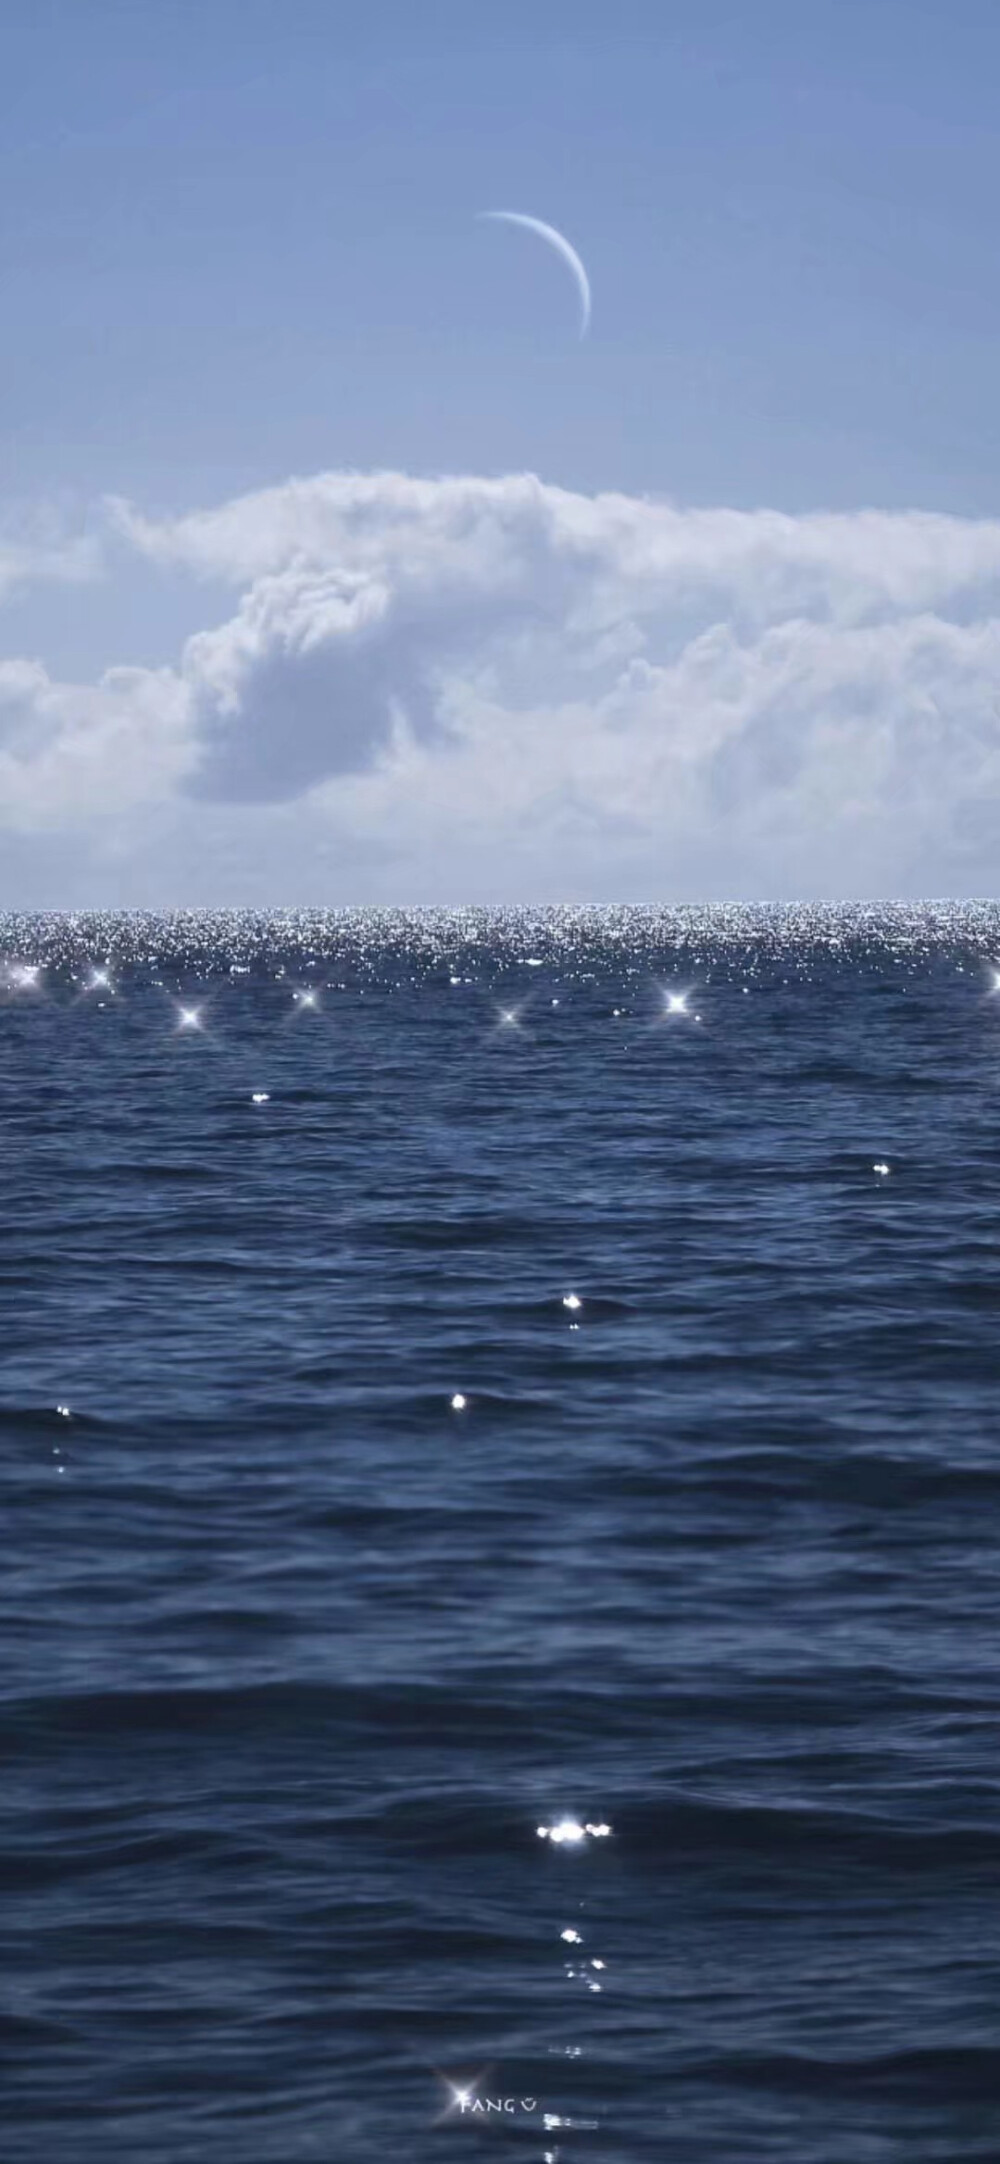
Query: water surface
x=299 y=1656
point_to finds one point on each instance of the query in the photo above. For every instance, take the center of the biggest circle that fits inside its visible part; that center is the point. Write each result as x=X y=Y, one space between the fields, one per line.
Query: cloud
x=76 y=756
x=499 y=688
x=46 y=543
x=297 y=686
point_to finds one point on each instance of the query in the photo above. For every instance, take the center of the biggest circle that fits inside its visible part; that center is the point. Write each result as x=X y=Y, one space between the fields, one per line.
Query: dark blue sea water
x=299 y=1656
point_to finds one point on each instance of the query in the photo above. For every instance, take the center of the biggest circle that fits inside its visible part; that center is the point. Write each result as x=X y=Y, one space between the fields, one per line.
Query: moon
x=562 y=248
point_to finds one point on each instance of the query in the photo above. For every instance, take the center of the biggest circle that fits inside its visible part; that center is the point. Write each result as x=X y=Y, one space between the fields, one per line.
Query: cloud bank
x=488 y=689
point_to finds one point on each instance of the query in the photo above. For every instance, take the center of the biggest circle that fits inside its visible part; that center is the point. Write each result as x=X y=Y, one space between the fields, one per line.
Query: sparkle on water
x=570 y=1831
x=741 y=941
x=460 y=2095
x=458 y=1402
x=572 y=1300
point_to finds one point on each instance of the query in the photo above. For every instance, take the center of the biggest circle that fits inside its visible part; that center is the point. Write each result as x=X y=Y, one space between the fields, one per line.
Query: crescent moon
x=562 y=248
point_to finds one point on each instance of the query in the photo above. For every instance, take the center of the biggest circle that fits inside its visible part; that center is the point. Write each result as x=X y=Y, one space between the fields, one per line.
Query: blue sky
x=239 y=243
x=238 y=240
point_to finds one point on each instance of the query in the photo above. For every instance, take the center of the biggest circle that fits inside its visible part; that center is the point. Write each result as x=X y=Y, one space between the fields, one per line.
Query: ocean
x=501 y=1579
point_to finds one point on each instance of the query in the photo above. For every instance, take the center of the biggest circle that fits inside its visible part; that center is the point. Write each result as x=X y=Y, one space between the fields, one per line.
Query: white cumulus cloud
x=499 y=688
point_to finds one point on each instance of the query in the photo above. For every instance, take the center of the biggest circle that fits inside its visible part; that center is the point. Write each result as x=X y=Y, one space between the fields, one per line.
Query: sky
x=335 y=567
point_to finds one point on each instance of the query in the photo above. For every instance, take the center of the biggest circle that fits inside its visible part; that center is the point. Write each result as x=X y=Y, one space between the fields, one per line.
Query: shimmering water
x=300 y=1652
